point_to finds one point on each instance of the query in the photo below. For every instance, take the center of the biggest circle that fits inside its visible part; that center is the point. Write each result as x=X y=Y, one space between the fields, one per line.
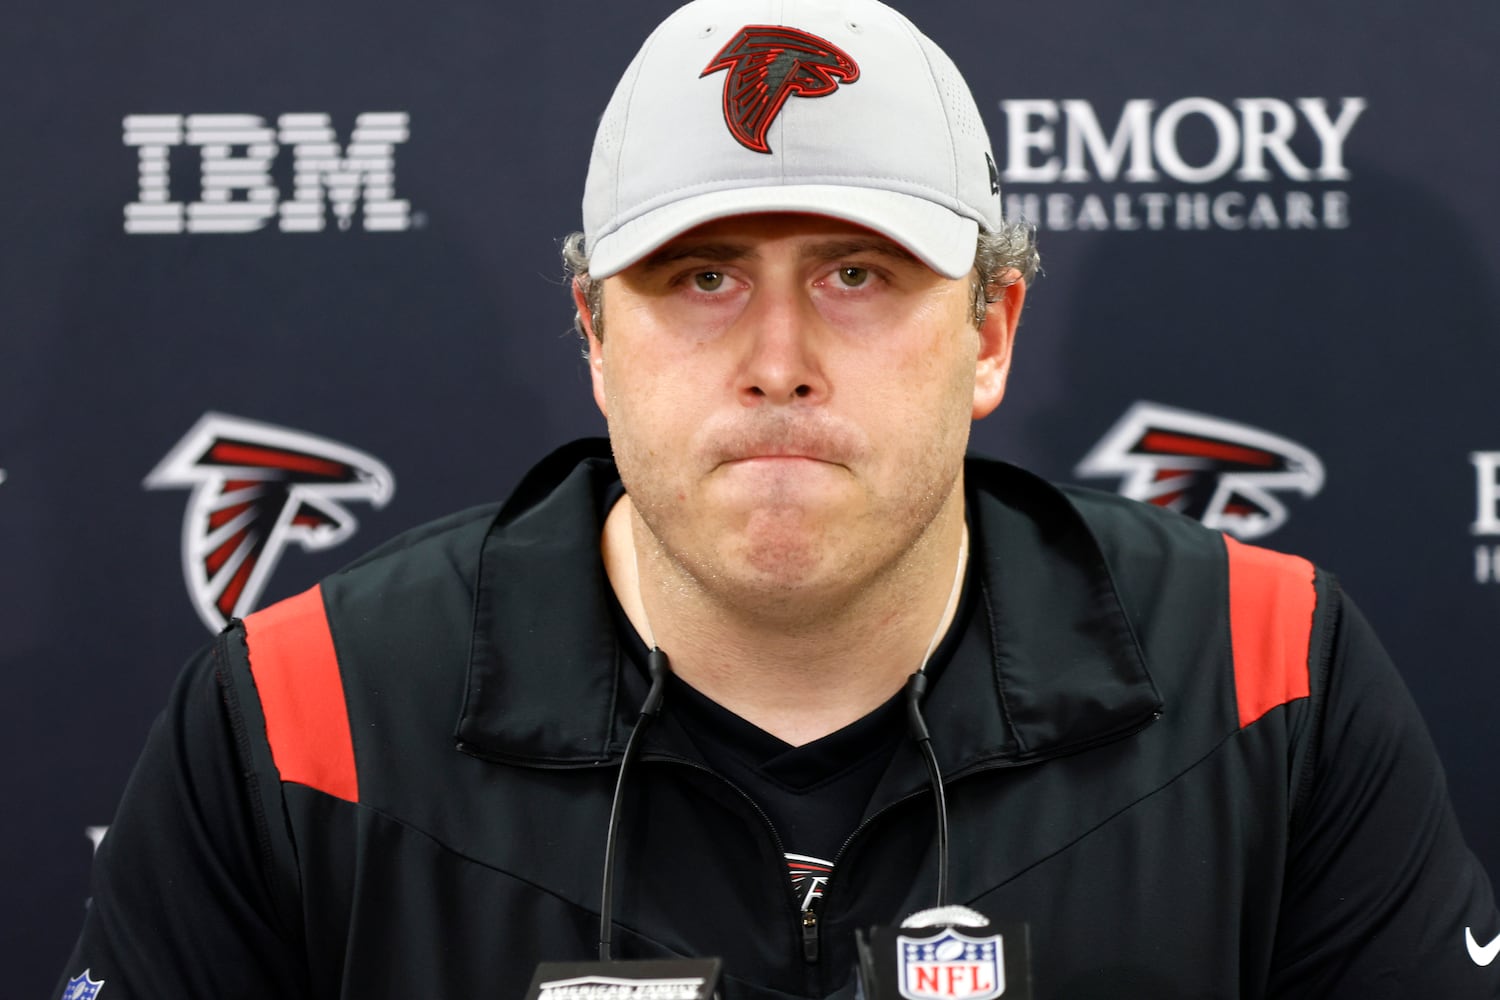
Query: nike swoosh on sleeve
x=1482 y=956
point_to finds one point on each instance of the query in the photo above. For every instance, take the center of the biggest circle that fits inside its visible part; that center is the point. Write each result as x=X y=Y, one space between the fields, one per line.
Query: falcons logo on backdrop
x=767 y=64
x=1222 y=473
x=256 y=489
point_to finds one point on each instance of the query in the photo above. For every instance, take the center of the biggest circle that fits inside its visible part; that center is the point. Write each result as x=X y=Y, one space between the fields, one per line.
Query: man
x=1184 y=762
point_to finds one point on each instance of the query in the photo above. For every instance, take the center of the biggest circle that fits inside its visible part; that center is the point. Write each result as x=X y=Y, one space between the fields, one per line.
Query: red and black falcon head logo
x=257 y=488
x=1220 y=472
x=767 y=64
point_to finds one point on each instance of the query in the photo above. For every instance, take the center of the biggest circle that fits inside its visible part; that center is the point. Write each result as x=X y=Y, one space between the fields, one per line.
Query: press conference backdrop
x=238 y=230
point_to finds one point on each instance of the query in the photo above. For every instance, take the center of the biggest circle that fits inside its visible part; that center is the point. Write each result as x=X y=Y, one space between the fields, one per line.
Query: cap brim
x=936 y=235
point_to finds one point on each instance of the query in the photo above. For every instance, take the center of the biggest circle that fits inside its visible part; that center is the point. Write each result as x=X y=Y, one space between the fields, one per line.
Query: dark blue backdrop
x=1278 y=215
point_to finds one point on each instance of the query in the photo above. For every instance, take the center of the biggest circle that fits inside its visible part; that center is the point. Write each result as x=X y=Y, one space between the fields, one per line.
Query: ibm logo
x=237 y=192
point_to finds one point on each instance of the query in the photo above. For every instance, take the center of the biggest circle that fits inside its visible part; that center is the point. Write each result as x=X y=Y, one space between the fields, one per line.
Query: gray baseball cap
x=840 y=108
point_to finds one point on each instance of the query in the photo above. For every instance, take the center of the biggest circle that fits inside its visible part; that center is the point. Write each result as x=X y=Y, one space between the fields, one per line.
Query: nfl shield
x=81 y=987
x=950 y=965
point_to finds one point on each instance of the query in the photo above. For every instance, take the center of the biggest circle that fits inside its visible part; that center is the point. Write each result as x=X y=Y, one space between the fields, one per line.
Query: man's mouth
x=825 y=443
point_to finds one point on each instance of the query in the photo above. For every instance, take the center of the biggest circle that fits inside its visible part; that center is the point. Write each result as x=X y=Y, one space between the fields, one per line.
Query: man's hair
x=1001 y=258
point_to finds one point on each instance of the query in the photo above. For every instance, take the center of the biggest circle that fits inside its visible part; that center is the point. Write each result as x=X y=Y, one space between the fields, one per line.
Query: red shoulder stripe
x=301 y=691
x=1271 y=601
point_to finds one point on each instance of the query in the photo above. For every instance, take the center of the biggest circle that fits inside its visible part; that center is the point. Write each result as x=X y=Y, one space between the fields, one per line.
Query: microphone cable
x=659 y=668
x=916 y=687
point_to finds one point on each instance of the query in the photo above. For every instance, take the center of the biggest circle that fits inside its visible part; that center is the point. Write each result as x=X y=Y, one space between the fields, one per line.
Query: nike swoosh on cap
x=1482 y=956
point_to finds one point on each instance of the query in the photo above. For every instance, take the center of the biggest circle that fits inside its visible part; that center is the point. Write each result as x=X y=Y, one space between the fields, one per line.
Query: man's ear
x=997 y=336
x=595 y=345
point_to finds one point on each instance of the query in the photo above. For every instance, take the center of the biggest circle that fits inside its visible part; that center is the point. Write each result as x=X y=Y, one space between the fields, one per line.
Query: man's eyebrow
x=723 y=252
x=835 y=249
x=712 y=253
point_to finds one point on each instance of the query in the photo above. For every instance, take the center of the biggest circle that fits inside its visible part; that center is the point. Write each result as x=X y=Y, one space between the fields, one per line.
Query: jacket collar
x=1050 y=664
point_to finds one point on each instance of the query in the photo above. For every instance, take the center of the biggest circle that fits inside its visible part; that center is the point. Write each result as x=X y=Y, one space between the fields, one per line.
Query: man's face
x=789 y=400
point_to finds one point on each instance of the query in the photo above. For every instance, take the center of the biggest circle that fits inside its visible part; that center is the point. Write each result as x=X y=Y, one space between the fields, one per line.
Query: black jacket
x=1186 y=788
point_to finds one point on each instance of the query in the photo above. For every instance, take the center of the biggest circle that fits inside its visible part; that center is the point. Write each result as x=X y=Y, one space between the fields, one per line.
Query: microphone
x=627 y=979
x=916 y=686
x=643 y=979
x=945 y=953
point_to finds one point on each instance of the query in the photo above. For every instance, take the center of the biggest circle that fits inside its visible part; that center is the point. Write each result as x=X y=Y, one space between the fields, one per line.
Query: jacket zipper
x=810 y=933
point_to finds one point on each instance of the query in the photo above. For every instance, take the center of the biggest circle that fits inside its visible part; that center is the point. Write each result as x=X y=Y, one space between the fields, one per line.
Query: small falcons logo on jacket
x=1223 y=473
x=256 y=489
x=809 y=876
x=768 y=64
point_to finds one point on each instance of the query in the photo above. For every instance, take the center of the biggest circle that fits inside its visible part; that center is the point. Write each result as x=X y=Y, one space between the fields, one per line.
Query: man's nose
x=782 y=361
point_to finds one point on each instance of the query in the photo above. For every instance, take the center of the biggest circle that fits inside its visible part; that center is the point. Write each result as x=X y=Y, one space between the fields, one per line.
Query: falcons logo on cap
x=1220 y=472
x=256 y=489
x=767 y=64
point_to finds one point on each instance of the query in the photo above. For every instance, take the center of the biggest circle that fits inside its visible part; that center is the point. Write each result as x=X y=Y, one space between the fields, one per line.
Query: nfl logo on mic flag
x=945 y=963
x=81 y=987
x=950 y=965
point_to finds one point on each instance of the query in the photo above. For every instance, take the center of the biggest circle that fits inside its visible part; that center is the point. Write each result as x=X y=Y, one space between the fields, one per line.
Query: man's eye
x=708 y=281
x=853 y=277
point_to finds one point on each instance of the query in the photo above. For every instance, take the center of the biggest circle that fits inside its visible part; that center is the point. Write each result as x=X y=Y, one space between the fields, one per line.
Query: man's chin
x=784 y=551
x=782 y=587
x=767 y=496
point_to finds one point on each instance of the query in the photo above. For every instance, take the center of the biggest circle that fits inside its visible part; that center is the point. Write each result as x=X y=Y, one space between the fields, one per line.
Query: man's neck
x=809 y=672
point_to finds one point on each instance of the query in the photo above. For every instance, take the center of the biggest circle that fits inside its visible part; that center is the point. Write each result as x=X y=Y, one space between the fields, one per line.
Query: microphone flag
x=951 y=953
x=650 y=979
